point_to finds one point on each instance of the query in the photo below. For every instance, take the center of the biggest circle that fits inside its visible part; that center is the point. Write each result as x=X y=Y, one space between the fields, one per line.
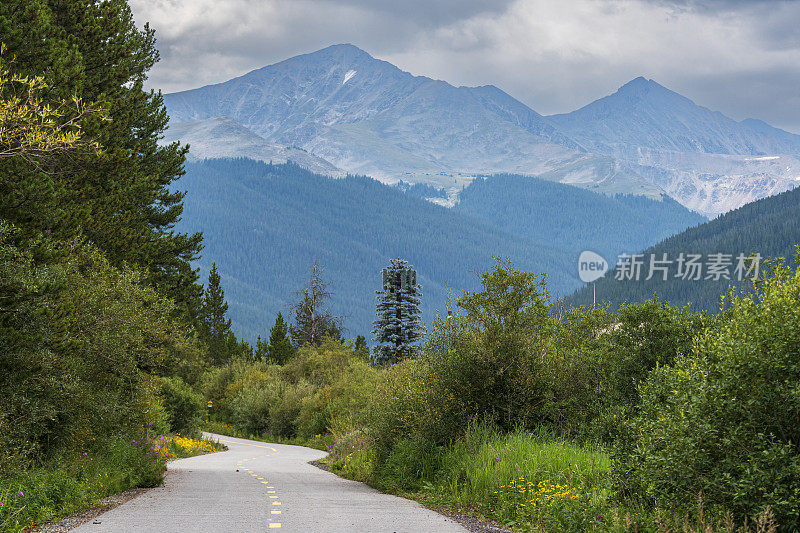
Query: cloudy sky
x=740 y=57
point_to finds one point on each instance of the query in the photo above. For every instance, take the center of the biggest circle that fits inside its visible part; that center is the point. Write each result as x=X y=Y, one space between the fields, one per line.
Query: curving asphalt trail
x=274 y=488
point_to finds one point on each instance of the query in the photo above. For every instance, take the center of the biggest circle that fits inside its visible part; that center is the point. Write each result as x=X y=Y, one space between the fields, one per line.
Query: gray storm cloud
x=739 y=57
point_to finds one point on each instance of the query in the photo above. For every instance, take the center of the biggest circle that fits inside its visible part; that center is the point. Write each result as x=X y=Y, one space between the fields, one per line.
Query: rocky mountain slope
x=222 y=137
x=367 y=116
x=704 y=159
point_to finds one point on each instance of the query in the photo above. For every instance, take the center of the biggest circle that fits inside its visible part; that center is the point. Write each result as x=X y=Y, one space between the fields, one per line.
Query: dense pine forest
x=265 y=225
x=540 y=211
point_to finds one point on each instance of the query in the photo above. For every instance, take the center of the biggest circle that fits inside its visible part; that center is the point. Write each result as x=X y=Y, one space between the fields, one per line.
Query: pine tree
x=398 y=325
x=215 y=328
x=360 y=348
x=280 y=347
x=120 y=199
x=261 y=349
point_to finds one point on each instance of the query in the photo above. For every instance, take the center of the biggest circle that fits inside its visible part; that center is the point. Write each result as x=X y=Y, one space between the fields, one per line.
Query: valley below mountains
x=264 y=225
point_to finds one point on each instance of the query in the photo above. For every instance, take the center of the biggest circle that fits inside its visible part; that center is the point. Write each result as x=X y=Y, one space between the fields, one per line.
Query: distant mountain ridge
x=644 y=114
x=368 y=116
x=704 y=159
x=342 y=84
x=221 y=137
x=364 y=115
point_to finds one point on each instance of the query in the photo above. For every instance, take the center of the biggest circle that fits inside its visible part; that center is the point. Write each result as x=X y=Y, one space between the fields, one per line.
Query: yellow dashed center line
x=261 y=479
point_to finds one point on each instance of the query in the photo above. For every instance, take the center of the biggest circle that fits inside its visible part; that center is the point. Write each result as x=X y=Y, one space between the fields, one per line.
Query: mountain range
x=340 y=110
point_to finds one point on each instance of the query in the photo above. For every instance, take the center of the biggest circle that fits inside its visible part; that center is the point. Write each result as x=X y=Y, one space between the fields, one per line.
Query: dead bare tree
x=312 y=320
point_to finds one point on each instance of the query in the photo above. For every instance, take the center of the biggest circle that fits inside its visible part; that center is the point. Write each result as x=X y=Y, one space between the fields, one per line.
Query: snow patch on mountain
x=350 y=74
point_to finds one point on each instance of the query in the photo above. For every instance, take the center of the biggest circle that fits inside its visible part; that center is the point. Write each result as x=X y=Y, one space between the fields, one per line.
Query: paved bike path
x=274 y=488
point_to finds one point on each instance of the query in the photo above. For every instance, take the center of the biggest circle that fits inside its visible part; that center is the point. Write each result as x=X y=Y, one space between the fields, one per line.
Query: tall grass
x=522 y=479
x=475 y=466
x=526 y=479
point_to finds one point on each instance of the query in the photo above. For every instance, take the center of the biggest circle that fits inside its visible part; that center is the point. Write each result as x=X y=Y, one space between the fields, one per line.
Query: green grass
x=523 y=481
x=484 y=458
x=526 y=480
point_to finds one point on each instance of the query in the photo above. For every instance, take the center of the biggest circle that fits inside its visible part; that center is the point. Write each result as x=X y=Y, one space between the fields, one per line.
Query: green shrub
x=575 y=368
x=221 y=385
x=250 y=407
x=484 y=362
x=268 y=405
x=314 y=417
x=403 y=407
x=724 y=420
x=78 y=340
x=319 y=387
x=184 y=407
x=318 y=365
x=284 y=413
x=343 y=404
x=644 y=336
x=599 y=357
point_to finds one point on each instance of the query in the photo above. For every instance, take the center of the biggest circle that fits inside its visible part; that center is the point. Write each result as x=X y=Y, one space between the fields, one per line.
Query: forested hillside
x=770 y=227
x=264 y=225
x=576 y=219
